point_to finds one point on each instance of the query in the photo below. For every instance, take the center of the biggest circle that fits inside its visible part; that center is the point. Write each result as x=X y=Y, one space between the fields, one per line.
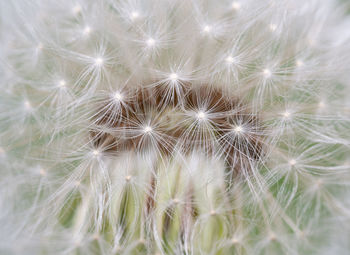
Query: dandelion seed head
x=218 y=111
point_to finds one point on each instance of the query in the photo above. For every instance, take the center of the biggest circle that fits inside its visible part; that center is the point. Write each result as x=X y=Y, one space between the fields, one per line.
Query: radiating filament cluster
x=199 y=119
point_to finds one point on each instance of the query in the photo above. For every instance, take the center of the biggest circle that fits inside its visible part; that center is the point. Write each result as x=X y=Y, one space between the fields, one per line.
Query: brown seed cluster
x=179 y=118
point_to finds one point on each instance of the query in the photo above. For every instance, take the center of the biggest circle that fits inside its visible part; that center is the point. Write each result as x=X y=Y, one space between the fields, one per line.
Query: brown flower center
x=179 y=121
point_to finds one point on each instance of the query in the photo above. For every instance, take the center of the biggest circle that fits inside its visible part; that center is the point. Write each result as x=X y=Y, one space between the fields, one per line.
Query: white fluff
x=64 y=64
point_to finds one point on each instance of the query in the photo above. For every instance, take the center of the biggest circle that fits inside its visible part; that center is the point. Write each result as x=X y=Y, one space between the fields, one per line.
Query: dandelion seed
x=207 y=29
x=87 y=30
x=201 y=115
x=321 y=104
x=61 y=84
x=118 y=96
x=299 y=63
x=292 y=162
x=42 y=172
x=318 y=184
x=267 y=73
x=27 y=105
x=300 y=234
x=76 y=9
x=147 y=129
x=236 y=5
x=235 y=241
x=272 y=237
x=150 y=42
x=39 y=47
x=273 y=27
x=173 y=77
x=134 y=15
x=96 y=153
x=229 y=60
x=238 y=129
x=286 y=114
x=99 y=61
x=128 y=178
x=311 y=42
